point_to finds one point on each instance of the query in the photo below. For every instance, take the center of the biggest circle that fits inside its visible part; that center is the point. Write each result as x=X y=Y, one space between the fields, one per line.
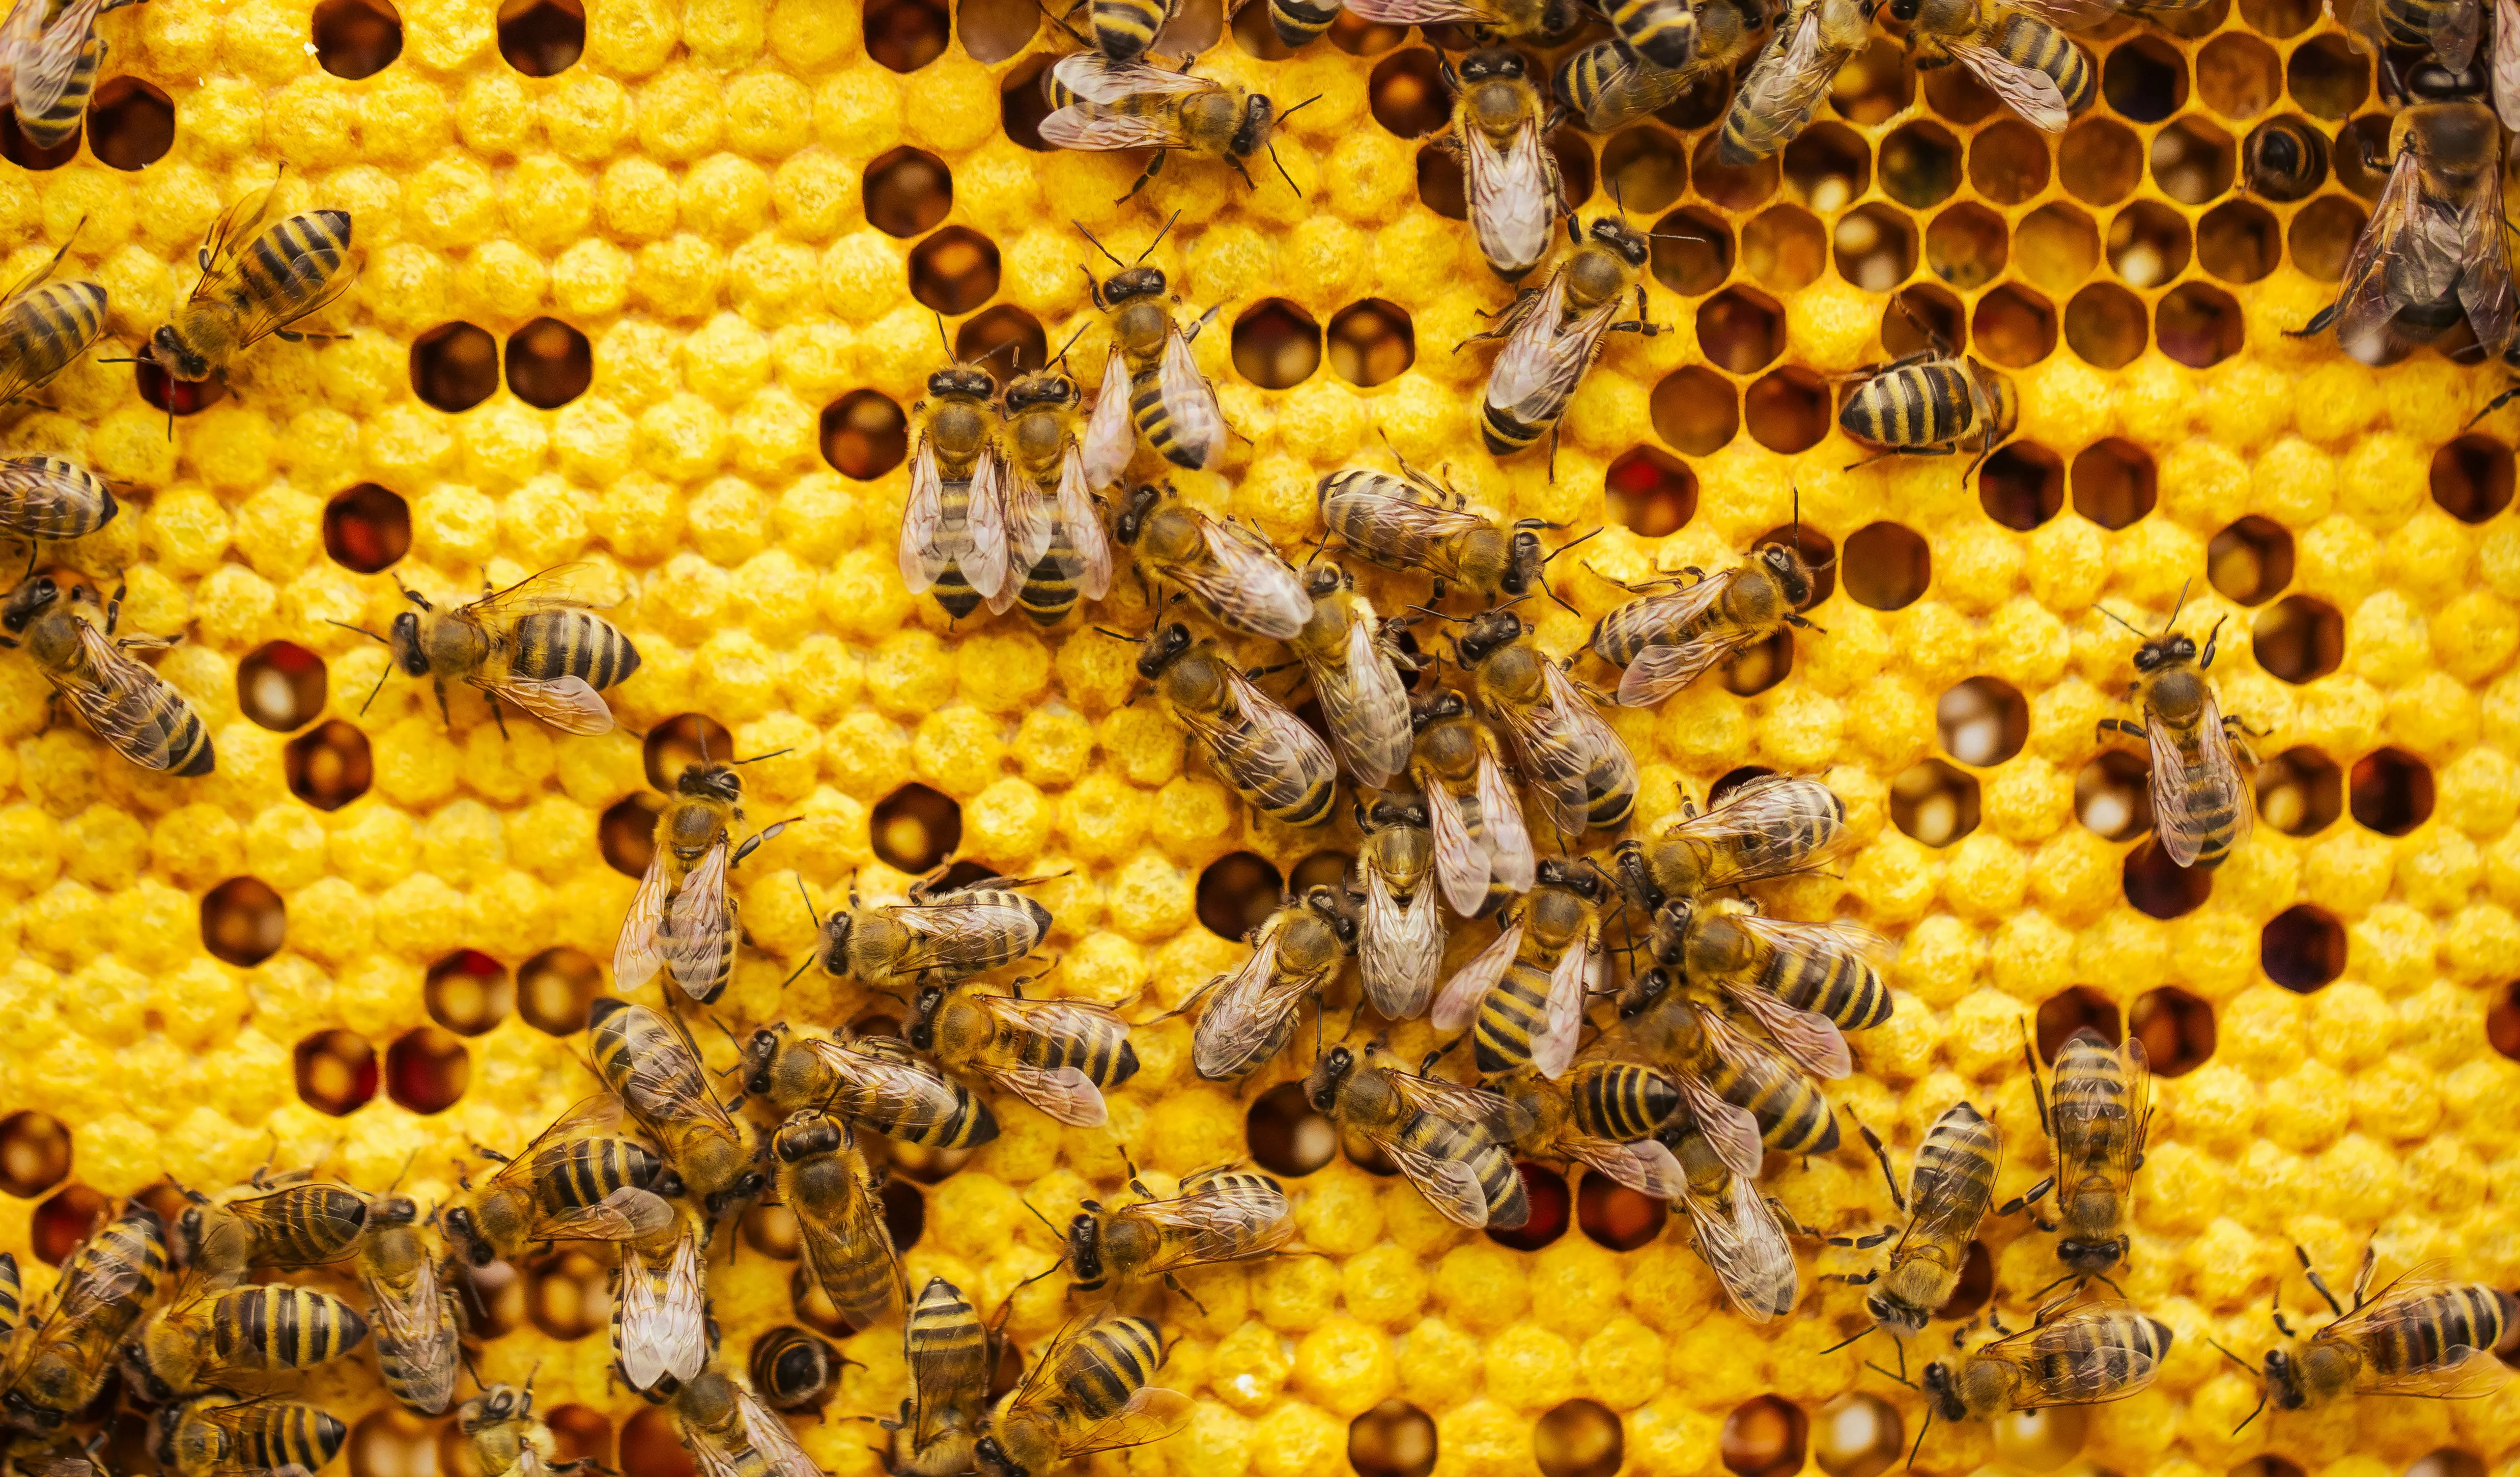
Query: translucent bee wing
x=664 y=1323
x=1451 y=1186
x=1783 y=86
x=1399 y=949
x=1151 y=1414
x=1093 y=132
x=1460 y=859
x=2365 y=306
x=1032 y=520
x=1198 y=422
x=628 y=1214
x=1553 y=1043
x=1731 y=1131
x=414 y=1328
x=1423 y=13
x=2506 y=62
x=1249 y=587
x=1513 y=192
x=1525 y=369
x=2455 y=29
x=1246 y=1015
x=1065 y=1094
x=1471 y=984
x=121 y=705
x=1096 y=78
x=697 y=924
x=2026 y=90
x=1747 y=1252
x=923 y=555
x=2485 y=278
x=772 y=1440
x=2184 y=793
x=1491 y=1113
x=1110 y=436
x=1508 y=842
x=984 y=560
x=1658 y=671
x=44 y=70
x=1646 y=1166
x=1367 y=706
x=1812 y=1040
x=568 y=704
x=1083 y=525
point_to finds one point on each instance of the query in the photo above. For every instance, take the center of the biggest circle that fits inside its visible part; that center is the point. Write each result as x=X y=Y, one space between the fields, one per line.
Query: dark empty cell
x=1887 y=565
x=2300 y=792
x=555 y=990
x=1787 y=409
x=2176 y=1029
x=468 y=992
x=2013 y=327
x=2099 y=161
x=2105 y=326
x=1920 y=164
x=336 y=1070
x=1441 y=185
x=1965 y=246
x=959 y=876
x=2022 y=486
x=914 y=828
x=366 y=528
x=2501 y=1025
x=906 y=34
x=626 y=835
x=2323 y=234
x=1581 y=1438
x=1024 y=102
x=1741 y=329
x=328 y=766
x=1406 y=93
x=2303 y=948
x=2472 y=478
x=1573 y=151
x=1194 y=26
x=2145 y=79
x=2240 y=241
x=2193 y=161
x=2279 y=19
x=15 y=148
x=908 y=190
x=280 y=686
x=1328 y=869
x=1785 y=249
x=1277 y=346
x=130 y=124
x=996 y=31
x=2113 y=796
x=1955 y=95
x=2391 y=793
x=2079 y=1008
x=1692 y=252
x=2362 y=155
x=1237 y=893
x=1006 y=340
x=61 y=1224
x=1827 y=166
x=2113 y=483
x=2009 y=161
x=428 y=1070
x=1285 y=1136
x=1876 y=247
x=1394 y=1439
x=1737 y=188
x=550 y=363
x=953 y=271
x=1695 y=410
x=905 y=1213
x=2328 y=77
x=1756 y=668
x=1552 y=1209
x=1649 y=492
x=2058 y=247
x=1934 y=803
x=1982 y=721
x=1876 y=86
x=1976 y=1285
x=542 y=38
x=1701 y=104
x=244 y=921
x=1371 y=343
x=2299 y=639
x=1766 y=1437
x=2161 y=887
x=2239 y=75
x=680 y=742
x=2148 y=243
x=34 y=1154
x=864 y=434
x=1615 y=1216
x=454 y=366
x=357 y=39
x=2251 y=561
x=1644 y=168
x=1926 y=316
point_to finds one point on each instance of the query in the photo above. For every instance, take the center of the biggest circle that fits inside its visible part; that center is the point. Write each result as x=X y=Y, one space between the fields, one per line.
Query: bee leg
x=1174 y=1283
x=2119 y=725
x=2046 y=1124
x=497 y=714
x=2036 y=1193
x=2319 y=324
x=2491 y=406
x=1154 y=167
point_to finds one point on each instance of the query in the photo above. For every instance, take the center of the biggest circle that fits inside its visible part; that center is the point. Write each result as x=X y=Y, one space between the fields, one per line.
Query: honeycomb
x=654 y=288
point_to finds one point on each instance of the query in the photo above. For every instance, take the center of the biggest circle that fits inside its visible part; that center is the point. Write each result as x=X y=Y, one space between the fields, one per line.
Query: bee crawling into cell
x=531 y=644
x=2014 y=47
x=2201 y=805
x=1930 y=404
x=1610 y=84
x=2283 y=160
x=1553 y=334
x=1101 y=104
x=682 y=918
x=2421 y=1335
x=1673 y=633
x=138 y=713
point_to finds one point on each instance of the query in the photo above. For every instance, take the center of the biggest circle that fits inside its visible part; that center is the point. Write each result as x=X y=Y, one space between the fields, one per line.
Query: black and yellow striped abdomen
x=583 y=1170
x=1107 y=1366
x=2433 y=1330
x=1620 y=1100
x=42 y=330
x=58 y=124
x=1501 y=1034
x=1154 y=419
x=1506 y=433
x=1914 y=405
x=155 y=727
x=53 y=498
x=307 y=1225
x=947 y=1347
x=1050 y=590
x=570 y=643
x=288 y=266
x=1498 y=1181
x=1838 y=984
x=2118 y=1351
x=1794 y=1116
x=275 y=1434
x=2028 y=41
x=1664 y=32
x=1095 y=1046
x=277 y=1326
x=951 y=589
x=2216 y=804
x=1300 y=21
x=1123 y=30
x=12 y=1295
x=2409 y=23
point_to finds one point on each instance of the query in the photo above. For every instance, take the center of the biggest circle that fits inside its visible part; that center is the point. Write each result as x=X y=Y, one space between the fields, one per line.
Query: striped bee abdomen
x=582 y=1172
x=1841 y=985
x=291 y=263
x=1501 y=1034
x=1919 y=406
x=1621 y=1100
x=2034 y=43
x=277 y=1326
x=1154 y=419
x=1498 y=1181
x=1794 y=1116
x=2429 y=1331
x=1110 y=1362
x=58 y=124
x=44 y=330
x=569 y=643
x=1099 y=1048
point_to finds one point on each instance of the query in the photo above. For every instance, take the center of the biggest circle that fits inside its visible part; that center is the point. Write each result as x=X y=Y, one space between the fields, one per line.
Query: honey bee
x=1582 y=774
x=730 y=1433
x=1929 y=404
x=2014 y=48
x=1230 y=570
x=43 y=330
x=2450 y=29
x=2098 y=1111
x=661 y=1333
x=951 y=1356
x=573 y=1181
x=1771 y=826
x=795 y=1370
x=1056 y=532
x=1603 y=1116
x=2285 y=159
x=530 y=643
x=2201 y=805
x=49 y=498
x=647 y=1057
x=953 y=527
x=1813 y=41
x=413 y=1316
x=1803 y=982
x=1356 y=676
x=1482 y=849
x=1102 y=104
x=1739 y=1235
x=205 y=1339
x=218 y=1435
x=1447 y=1140
x=1526 y=991
x=1222 y=1214
x=1408 y=522
x=138 y=713
x=937 y=938
x=2433 y=252
x=1400 y=935
x=1608 y=87
x=1123 y=30
x=1151 y=387
x=1721 y=1072
x=293 y=1220
x=2085 y=1355
x=1279 y=767
x=1515 y=193
x=2421 y=1335
x=825 y=1183
x=51 y=55
x=1666 y=641
x=1299 y=23
x=1793 y=1114
x=869 y=1082
x=1246 y=1017
x=1552 y=334
x=61 y=1358
x=1949 y=1185
x=1661 y=31
x=1054 y=1054
x=683 y=917
x=250 y=288
x=1087 y=1393
x=509 y=1440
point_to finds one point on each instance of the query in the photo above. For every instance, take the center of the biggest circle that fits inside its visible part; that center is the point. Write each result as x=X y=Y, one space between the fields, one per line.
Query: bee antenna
x=362 y=630
x=1272 y=147
x=2180 y=606
x=1098 y=245
x=2254 y=1411
x=1878 y=1370
x=2120 y=619
x=1859 y=1338
x=758 y=758
x=2234 y=1359
x=1570 y=543
x=1920 y=1430
x=1043 y=1220
x=948 y=344
x=1159 y=238
x=1117 y=636
x=1060 y=357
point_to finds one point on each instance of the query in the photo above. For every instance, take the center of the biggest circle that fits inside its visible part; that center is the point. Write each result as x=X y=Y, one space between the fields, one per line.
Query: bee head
x=1258 y=113
x=1631 y=244
x=1163 y=651
x=408 y=653
x=1132 y=521
x=1323 y=580
x=1324 y=903
x=1494 y=62
x=1327 y=1073
x=492 y=1407
x=1943 y=1393
x=393 y=1210
x=2283 y=1381
x=1581 y=878
x=1896 y=1314
x=2170 y=650
x=1133 y=283
x=1488 y=634
x=991 y=1459
x=836 y=944
x=808 y=1134
x=1786 y=563
x=922 y=1031
x=174 y=358
x=2091 y=1256
x=465 y=1231
x=710 y=781
x=138 y=1370
x=1523 y=560
x=168 y=1418
x=2433 y=83
x=1671 y=928
x=961 y=382
x=1085 y=1246
x=1386 y=814
x=758 y=1053
x=2279 y=150
x=27 y=601
x=1050 y=388
x=1429 y=711
x=1643 y=993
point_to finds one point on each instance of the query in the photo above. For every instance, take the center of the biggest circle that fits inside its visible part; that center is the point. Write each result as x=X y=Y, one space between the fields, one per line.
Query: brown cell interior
x=1766 y=1437
x=1695 y=410
x=1783 y=248
x=1277 y=344
x=130 y=123
x=1876 y=247
x=280 y=686
x=366 y=528
x=68 y=1219
x=426 y=1070
x=556 y=988
x=1920 y=164
x=328 y=766
x=1644 y=168
x=2471 y=477
x=1406 y=93
x=1006 y=340
x=1552 y=1209
x=1759 y=667
x=2099 y=161
x=1649 y=491
x=1394 y=1439
x=908 y=192
x=2176 y=1029
x=1615 y=1216
x=996 y=31
x=2161 y=887
x=1966 y=246
x=2144 y=80
x=2251 y=561
x=1236 y=894
x=1975 y=1288
x=1858 y=1435
x=2240 y=241
x=1787 y=409
x=2194 y=161
x=1876 y=86
x=2022 y=486
x=914 y=828
x=2148 y=244
x=1581 y=1438
x=1285 y=1136
x=865 y=435
x=2391 y=792
x=357 y=39
x=1887 y=565
x=2009 y=161
x=1741 y=329
x=567 y=1296
x=2199 y=325
x=2301 y=791
x=1982 y=721
x=2327 y=76
x=906 y=34
x=2113 y=481
x=2077 y=1007
x=244 y=921
x=469 y=992
x=2298 y=638
x=2323 y=234
x=1737 y=188
x=2302 y=948
x=550 y=363
x=1371 y=343
x=542 y=38
x=2239 y=77
x=1827 y=166
x=1934 y=803
x=1024 y=102
x=34 y=1153
x=1692 y=252
x=2013 y=326
x=2113 y=796
x=626 y=834
x=454 y=366
x=336 y=1070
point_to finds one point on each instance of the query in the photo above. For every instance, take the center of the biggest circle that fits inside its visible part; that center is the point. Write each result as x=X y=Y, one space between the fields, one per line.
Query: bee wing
x=1508 y=842
x=2026 y=90
x=984 y=556
x=1556 y=744
x=697 y=924
x=1471 y=984
x=1451 y=1186
x=1786 y=82
x=1199 y=424
x=1747 y=1252
x=1424 y=13
x=1094 y=132
x=1733 y=1132
x=1367 y=706
x=2215 y=788
x=1491 y=1113
x=924 y=554
x=44 y=69
x=596 y=1113
x=1151 y=1414
x=1248 y=587
x=1096 y=78
x=1514 y=195
x=1083 y=525
x=1553 y=1045
x=544 y=590
x=1247 y=1014
x=1032 y=518
x=1540 y=363
x=2052 y=1365
x=118 y=706
x=1215 y=1225
x=1947 y=1201
x=1065 y=1094
x=1592 y=736
x=2365 y=307
x=1399 y=949
x=568 y=704
x=839 y=1239
x=890 y=1087
x=413 y=1327
x=1461 y=860
x=1837 y=937
x=1110 y=436
x=1765 y=808
x=1812 y=1040
x=1658 y=671
x=660 y=1085
x=770 y=1440
x=234 y=227
x=2485 y=282
x=664 y=1330
x=2506 y=62
x=1270 y=740
x=2455 y=29
x=628 y=1214
x=1646 y=1165
x=2073 y=15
